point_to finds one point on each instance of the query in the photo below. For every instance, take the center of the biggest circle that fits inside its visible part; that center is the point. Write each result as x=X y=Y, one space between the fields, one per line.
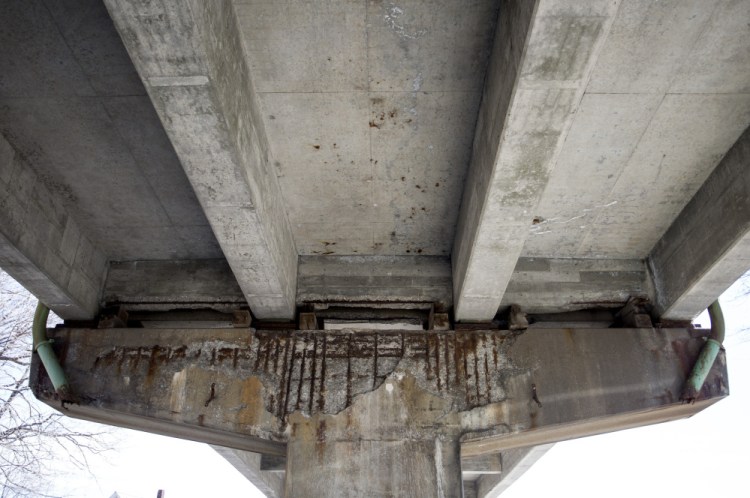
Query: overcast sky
x=702 y=456
x=705 y=455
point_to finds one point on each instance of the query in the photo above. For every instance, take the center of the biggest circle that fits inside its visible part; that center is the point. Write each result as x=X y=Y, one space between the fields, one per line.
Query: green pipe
x=707 y=355
x=43 y=347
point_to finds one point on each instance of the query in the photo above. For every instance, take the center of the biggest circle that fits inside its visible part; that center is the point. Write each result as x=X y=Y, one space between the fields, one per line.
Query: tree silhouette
x=36 y=442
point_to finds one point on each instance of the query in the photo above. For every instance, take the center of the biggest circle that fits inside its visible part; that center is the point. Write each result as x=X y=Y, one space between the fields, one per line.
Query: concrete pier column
x=389 y=443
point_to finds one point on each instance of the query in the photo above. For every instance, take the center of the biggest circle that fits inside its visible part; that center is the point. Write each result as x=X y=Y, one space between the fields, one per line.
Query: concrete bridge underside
x=287 y=165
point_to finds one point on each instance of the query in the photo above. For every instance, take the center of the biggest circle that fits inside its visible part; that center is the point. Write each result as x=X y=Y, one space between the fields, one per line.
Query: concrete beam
x=346 y=399
x=707 y=248
x=543 y=55
x=167 y=285
x=341 y=279
x=192 y=61
x=41 y=245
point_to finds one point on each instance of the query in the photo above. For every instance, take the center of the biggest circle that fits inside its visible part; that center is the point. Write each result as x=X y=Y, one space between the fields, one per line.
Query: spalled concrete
x=193 y=64
x=42 y=247
x=542 y=59
x=370 y=160
x=706 y=249
x=387 y=444
x=431 y=395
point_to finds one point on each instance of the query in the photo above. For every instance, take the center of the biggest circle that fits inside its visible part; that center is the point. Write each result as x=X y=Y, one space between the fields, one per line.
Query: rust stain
x=458 y=360
x=312 y=373
x=283 y=391
x=487 y=380
x=684 y=356
x=437 y=362
x=570 y=335
x=375 y=361
x=252 y=397
x=322 y=392
x=62 y=350
x=349 y=373
x=301 y=373
x=447 y=361
x=428 y=364
x=277 y=348
x=157 y=356
x=494 y=349
x=320 y=439
x=268 y=351
x=178 y=353
x=476 y=375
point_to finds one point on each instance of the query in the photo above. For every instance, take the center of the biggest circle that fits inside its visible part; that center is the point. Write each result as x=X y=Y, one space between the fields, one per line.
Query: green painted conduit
x=707 y=355
x=43 y=347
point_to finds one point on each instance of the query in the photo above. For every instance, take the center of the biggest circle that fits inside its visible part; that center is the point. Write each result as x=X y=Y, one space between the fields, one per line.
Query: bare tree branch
x=36 y=442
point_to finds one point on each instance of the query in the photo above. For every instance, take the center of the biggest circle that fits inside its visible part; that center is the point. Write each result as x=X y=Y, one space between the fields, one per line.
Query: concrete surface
x=42 y=246
x=411 y=279
x=462 y=155
x=360 y=129
x=73 y=107
x=152 y=285
x=551 y=285
x=706 y=249
x=338 y=399
x=192 y=62
x=541 y=64
x=369 y=109
x=667 y=98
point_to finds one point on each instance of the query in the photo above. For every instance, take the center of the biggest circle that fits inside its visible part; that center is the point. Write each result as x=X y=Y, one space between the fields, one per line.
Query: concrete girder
x=191 y=59
x=705 y=250
x=41 y=245
x=337 y=400
x=541 y=62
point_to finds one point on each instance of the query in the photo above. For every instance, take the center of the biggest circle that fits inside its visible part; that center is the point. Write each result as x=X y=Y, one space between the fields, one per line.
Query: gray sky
x=698 y=457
